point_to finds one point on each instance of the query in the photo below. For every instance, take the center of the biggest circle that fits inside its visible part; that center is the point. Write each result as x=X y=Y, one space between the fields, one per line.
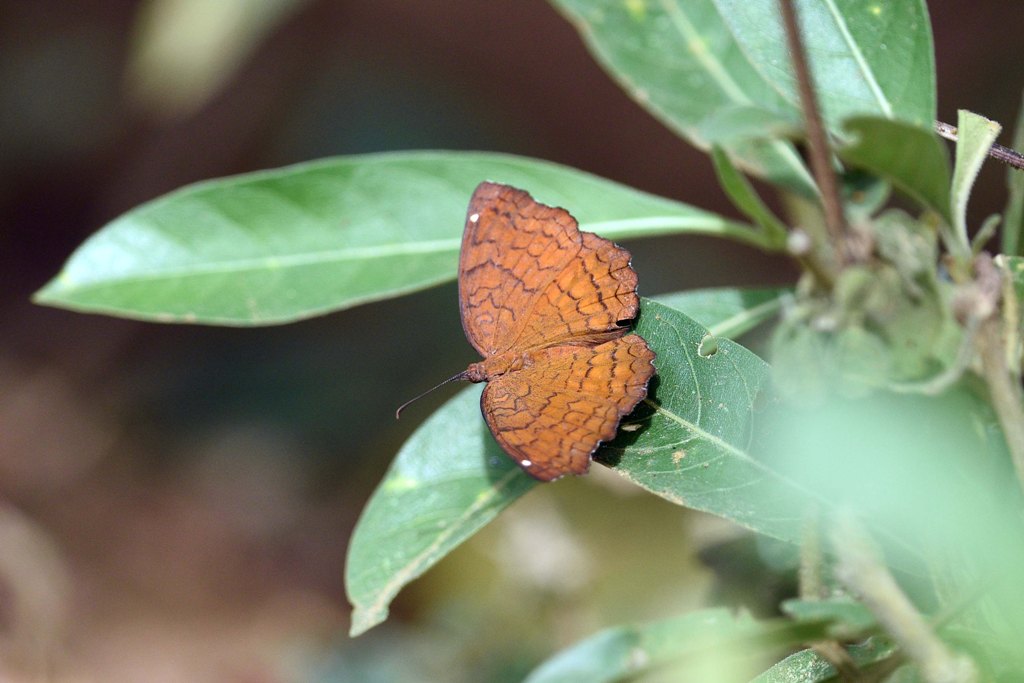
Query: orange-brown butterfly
x=549 y=308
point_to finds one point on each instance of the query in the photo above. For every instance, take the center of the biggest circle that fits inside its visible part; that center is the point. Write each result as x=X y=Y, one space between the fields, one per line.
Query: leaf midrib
x=69 y=280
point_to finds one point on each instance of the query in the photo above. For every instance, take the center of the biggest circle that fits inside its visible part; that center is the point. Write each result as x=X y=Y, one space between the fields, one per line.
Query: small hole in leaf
x=708 y=346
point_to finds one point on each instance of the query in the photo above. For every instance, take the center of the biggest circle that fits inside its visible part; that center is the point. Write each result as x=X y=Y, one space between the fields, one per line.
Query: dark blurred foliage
x=177 y=500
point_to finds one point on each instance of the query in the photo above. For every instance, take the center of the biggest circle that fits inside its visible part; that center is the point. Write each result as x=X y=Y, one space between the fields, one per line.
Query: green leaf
x=746 y=199
x=451 y=478
x=975 y=135
x=808 y=666
x=699 y=418
x=678 y=60
x=1013 y=215
x=849 y=618
x=301 y=241
x=688 y=443
x=864 y=194
x=727 y=311
x=710 y=644
x=914 y=159
x=746 y=122
x=865 y=58
x=907 y=466
x=448 y=480
x=700 y=441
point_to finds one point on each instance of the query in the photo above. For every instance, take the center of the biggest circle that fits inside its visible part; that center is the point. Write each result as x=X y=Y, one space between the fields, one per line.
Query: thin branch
x=860 y=569
x=817 y=141
x=811 y=583
x=812 y=587
x=1006 y=155
x=1003 y=385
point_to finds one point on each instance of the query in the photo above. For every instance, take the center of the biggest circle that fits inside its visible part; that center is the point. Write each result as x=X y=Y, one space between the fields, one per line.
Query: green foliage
x=807 y=666
x=909 y=156
x=448 y=481
x=726 y=311
x=866 y=58
x=743 y=195
x=848 y=618
x=706 y=645
x=694 y=446
x=305 y=240
x=976 y=135
x=681 y=62
x=445 y=484
x=894 y=386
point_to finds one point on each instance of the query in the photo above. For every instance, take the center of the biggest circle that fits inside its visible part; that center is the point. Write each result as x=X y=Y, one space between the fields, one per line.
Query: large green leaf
x=711 y=644
x=727 y=311
x=679 y=60
x=687 y=444
x=698 y=424
x=300 y=241
x=692 y=441
x=873 y=58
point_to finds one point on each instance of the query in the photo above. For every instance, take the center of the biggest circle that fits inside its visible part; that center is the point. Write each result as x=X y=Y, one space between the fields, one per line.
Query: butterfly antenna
x=453 y=378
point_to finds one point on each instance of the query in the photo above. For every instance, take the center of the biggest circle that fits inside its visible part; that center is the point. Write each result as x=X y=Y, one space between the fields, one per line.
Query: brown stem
x=817 y=141
x=1003 y=385
x=820 y=273
x=1004 y=389
x=1008 y=156
x=811 y=584
x=812 y=587
x=860 y=569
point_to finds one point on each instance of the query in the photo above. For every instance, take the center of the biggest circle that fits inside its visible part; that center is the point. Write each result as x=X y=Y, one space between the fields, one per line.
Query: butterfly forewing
x=528 y=277
x=512 y=249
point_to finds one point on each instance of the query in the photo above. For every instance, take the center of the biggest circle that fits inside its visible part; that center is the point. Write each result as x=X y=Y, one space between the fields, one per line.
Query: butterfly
x=549 y=308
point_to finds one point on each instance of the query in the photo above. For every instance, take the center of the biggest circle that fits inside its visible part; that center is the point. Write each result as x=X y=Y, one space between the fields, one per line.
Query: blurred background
x=176 y=501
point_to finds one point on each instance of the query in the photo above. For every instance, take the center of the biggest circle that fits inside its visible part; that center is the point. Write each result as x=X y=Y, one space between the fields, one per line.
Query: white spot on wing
x=473 y=218
x=525 y=463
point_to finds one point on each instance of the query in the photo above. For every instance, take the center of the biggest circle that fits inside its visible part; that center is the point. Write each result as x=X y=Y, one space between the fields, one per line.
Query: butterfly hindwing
x=551 y=416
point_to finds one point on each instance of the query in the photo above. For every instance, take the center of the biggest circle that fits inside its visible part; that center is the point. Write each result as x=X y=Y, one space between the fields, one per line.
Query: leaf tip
x=364 y=618
x=49 y=294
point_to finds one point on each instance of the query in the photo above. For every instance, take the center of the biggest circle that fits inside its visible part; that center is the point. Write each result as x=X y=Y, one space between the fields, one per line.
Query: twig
x=812 y=587
x=1006 y=155
x=798 y=244
x=861 y=571
x=817 y=142
x=1004 y=391
x=1003 y=386
x=811 y=584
